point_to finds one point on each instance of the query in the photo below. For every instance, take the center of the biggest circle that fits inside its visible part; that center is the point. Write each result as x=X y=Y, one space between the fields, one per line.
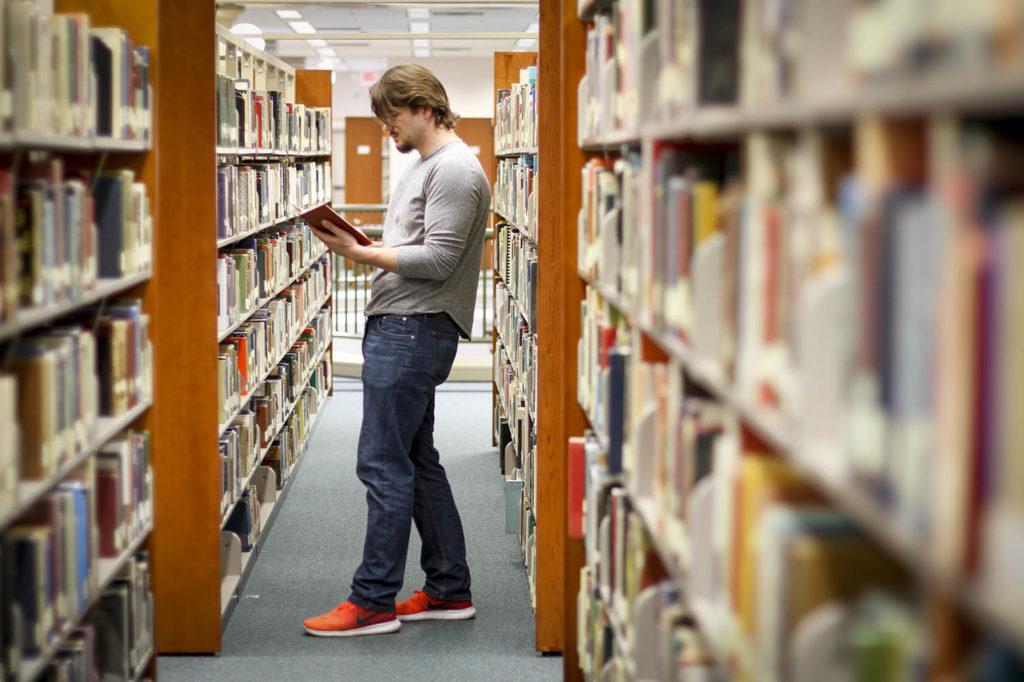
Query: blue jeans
x=405 y=358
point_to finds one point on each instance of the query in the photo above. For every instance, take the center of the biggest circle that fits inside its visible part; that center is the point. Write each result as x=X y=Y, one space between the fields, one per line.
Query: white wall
x=470 y=87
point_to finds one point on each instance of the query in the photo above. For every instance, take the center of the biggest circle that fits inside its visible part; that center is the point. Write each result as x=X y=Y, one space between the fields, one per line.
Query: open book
x=315 y=216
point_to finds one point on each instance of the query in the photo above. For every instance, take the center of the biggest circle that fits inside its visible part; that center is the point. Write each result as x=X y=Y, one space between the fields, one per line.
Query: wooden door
x=478 y=133
x=364 y=140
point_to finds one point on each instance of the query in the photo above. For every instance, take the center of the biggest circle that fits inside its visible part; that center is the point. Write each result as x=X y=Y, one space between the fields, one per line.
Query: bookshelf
x=274 y=306
x=76 y=333
x=518 y=384
x=197 y=557
x=766 y=400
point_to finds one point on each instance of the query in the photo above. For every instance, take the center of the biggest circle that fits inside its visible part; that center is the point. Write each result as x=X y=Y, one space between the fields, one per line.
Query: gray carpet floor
x=315 y=544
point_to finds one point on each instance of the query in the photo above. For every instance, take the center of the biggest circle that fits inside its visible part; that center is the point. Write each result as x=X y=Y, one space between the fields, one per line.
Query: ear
x=427 y=113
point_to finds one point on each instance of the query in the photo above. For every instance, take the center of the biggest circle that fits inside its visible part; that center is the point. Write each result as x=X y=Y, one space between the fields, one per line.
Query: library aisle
x=312 y=550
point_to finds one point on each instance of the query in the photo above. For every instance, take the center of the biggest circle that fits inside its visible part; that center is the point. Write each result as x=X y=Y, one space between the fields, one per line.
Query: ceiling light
x=525 y=42
x=533 y=28
x=419 y=27
x=252 y=33
x=289 y=14
x=421 y=43
x=327 y=52
x=418 y=13
x=317 y=42
x=302 y=27
x=421 y=52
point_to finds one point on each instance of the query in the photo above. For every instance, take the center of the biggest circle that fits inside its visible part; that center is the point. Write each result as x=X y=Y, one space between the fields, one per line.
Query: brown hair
x=413 y=86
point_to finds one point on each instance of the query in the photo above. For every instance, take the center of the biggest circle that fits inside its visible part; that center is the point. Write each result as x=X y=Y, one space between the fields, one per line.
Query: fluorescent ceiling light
x=525 y=42
x=327 y=52
x=533 y=28
x=421 y=52
x=302 y=27
x=317 y=42
x=418 y=13
x=419 y=27
x=289 y=14
x=421 y=43
x=250 y=30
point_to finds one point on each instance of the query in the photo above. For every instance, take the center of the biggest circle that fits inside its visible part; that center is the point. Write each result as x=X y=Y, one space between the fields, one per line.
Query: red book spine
x=107 y=512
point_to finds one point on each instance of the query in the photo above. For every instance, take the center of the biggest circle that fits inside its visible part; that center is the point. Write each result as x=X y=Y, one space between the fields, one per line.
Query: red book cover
x=108 y=512
x=243 y=356
x=577 y=479
x=315 y=216
x=607 y=342
x=258 y=106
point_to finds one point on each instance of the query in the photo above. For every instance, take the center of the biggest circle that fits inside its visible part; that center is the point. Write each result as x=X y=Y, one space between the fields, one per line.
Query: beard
x=404 y=147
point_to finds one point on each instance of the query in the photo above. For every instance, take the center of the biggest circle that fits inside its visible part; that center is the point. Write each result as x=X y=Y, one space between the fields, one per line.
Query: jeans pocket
x=445 y=348
x=395 y=327
x=384 y=358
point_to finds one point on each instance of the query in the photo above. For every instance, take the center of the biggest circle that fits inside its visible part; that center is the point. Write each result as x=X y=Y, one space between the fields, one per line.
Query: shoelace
x=421 y=598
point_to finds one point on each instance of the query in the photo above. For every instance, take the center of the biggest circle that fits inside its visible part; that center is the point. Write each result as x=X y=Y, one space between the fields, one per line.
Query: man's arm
x=452 y=196
x=448 y=219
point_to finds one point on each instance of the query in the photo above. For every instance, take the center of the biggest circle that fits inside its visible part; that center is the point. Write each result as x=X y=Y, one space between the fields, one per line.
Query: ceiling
x=388 y=19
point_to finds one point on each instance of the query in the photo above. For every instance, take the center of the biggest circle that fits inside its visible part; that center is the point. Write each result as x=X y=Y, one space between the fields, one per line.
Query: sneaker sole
x=453 y=614
x=377 y=629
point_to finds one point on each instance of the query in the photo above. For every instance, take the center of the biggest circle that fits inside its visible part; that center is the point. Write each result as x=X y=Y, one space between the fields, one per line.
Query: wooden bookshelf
x=871 y=130
x=187 y=546
x=82 y=154
x=506 y=71
x=559 y=415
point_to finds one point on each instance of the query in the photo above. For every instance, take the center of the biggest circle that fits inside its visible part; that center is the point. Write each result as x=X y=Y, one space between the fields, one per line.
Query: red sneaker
x=421 y=606
x=349 y=620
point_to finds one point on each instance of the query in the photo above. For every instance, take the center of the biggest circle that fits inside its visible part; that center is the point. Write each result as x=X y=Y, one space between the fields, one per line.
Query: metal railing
x=352 y=281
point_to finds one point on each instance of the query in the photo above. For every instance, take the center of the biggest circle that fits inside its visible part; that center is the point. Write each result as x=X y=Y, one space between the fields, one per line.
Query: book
x=315 y=217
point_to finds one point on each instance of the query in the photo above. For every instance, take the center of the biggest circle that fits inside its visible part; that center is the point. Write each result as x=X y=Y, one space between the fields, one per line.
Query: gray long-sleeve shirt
x=437 y=218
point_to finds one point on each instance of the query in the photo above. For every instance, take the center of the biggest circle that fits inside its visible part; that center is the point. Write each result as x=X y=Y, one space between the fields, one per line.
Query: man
x=421 y=302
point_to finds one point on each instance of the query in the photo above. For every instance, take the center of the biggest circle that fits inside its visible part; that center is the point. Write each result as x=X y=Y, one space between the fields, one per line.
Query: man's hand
x=345 y=245
x=337 y=240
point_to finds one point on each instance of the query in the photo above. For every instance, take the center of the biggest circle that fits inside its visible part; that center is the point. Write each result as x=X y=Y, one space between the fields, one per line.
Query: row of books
x=519 y=341
x=763 y=557
x=116 y=640
x=292 y=438
x=515 y=114
x=58 y=382
x=287 y=443
x=650 y=62
x=514 y=197
x=248 y=353
x=253 y=195
x=255 y=268
x=51 y=555
x=255 y=426
x=124 y=482
x=602 y=96
x=633 y=624
x=265 y=120
x=713 y=531
x=611 y=201
x=874 y=45
x=65 y=77
x=839 y=314
x=516 y=264
x=60 y=233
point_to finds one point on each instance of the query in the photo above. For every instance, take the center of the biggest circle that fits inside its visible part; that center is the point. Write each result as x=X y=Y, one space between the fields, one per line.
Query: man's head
x=411 y=104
